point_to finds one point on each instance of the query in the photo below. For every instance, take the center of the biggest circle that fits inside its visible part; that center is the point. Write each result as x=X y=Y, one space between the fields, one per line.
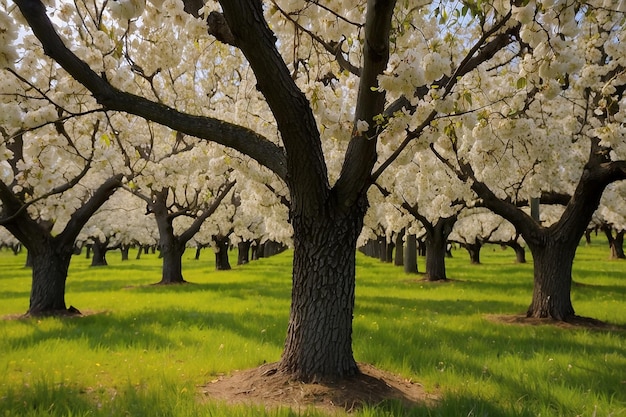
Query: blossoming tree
x=324 y=96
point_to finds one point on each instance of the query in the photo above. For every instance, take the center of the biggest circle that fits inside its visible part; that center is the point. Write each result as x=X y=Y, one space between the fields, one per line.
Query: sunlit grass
x=145 y=350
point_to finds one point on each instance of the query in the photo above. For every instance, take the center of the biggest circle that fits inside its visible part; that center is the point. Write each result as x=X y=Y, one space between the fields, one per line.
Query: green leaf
x=468 y=97
x=105 y=139
x=521 y=83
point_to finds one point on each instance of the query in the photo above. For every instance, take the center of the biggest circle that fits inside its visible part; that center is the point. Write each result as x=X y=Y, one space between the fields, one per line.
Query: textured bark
x=50 y=263
x=319 y=337
x=553 y=281
x=436 y=259
x=171 y=247
x=172 y=256
x=436 y=247
x=410 y=255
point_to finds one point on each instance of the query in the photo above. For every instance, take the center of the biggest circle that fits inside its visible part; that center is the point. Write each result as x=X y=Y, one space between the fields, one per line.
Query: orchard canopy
x=440 y=104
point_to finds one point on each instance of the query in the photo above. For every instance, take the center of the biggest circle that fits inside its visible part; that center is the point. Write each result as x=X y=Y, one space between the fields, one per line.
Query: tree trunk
x=222 y=262
x=198 y=250
x=436 y=248
x=319 y=336
x=436 y=259
x=256 y=251
x=124 y=249
x=243 y=252
x=100 y=249
x=410 y=255
x=399 y=245
x=50 y=265
x=553 y=279
x=421 y=247
x=172 y=255
x=617 y=246
x=473 y=249
x=383 y=252
x=29 y=260
x=520 y=252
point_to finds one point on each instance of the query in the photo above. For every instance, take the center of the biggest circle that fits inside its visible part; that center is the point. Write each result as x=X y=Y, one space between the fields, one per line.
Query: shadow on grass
x=155 y=329
x=45 y=397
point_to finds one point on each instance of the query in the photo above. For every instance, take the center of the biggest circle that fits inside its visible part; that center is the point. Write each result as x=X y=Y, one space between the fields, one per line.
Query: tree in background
x=556 y=134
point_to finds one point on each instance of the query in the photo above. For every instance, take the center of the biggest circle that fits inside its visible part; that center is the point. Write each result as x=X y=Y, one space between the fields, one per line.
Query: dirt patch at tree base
x=575 y=322
x=264 y=386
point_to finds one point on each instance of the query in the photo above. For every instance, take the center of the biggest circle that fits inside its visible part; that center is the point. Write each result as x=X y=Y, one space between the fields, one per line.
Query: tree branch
x=236 y=137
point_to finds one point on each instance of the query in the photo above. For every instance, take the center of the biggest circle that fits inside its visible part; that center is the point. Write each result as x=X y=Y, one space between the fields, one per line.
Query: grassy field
x=146 y=350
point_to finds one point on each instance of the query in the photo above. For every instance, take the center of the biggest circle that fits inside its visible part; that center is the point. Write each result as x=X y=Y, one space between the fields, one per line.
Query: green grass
x=149 y=348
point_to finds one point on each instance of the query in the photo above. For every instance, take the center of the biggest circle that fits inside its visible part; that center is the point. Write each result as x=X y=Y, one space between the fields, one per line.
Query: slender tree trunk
x=410 y=255
x=399 y=245
x=50 y=266
x=198 y=250
x=553 y=279
x=383 y=252
x=319 y=336
x=617 y=246
x=389 y=256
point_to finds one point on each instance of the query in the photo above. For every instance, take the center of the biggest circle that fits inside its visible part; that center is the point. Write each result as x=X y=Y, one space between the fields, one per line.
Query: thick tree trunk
x=50 y=265
x=100 y=249
x=29 y=260
x=172 y=255
x=222 y=263
x=436 y=259
x=520 y=252
x=553 y=280
x=410 y=255
x=473 y=249
x=319 y=337
x=436 y=248
x=243 y=252
x=125 y=250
